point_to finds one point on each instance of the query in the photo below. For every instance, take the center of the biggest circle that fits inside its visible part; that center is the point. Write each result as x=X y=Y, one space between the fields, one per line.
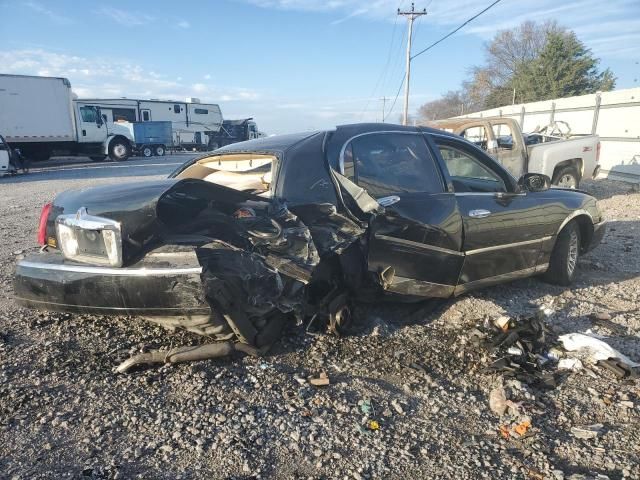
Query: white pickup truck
x=565 y=160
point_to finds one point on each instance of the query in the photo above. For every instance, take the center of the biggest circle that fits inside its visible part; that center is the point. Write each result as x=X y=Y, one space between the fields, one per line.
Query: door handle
x=388 y=201
x=480 y=213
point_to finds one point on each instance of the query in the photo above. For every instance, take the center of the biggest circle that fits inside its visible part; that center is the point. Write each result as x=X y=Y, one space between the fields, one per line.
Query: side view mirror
x=534 y=182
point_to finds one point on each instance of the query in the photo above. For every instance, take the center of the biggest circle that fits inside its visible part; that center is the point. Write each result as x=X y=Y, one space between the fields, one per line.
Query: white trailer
x=193 y=123
x=38 y=115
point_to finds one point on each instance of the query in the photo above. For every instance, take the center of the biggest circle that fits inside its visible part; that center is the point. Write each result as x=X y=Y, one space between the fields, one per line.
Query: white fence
x=615 y=116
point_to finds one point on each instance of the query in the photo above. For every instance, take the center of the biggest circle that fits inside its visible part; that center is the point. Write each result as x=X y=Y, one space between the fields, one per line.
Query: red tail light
x=598 y=153
x=42 y=227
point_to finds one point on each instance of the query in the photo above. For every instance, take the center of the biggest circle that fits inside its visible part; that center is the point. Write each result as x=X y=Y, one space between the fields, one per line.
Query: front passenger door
x=419 y=236
x=503 y=228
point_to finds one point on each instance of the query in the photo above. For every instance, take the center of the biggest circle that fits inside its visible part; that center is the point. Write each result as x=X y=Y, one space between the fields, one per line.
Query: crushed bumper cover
x=165 y=282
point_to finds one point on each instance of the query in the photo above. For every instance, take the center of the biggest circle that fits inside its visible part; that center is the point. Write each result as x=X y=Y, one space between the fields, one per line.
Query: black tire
x=147 y=151
x=96 y=158
x=160 y=150
x=119 y=150
x=564 y=257
x=567 y=177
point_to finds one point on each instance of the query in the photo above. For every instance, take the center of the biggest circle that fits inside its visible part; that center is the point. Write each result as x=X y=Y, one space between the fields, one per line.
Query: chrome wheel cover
x=120 y=150
x=567 y=181
x=572 y=255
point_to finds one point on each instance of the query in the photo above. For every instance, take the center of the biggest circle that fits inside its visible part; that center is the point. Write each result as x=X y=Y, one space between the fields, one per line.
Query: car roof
x=275 y=144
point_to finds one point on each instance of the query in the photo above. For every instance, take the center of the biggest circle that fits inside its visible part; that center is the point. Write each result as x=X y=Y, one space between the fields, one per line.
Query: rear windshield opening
x=244 y=172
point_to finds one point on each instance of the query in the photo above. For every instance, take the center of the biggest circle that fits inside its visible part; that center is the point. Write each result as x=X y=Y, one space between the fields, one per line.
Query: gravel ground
x=64 y=413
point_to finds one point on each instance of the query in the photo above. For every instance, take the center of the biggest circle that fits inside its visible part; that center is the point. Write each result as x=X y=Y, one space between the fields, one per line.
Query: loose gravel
x=407 y=398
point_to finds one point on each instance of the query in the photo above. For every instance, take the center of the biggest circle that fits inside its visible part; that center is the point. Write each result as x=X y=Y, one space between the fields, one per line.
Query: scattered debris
x=498 y=401
x=520 y=350
x=186 y=354
x=522 y=428
x=365 y=406
x=373 y=425
x=587 y=432
x=397 y=407
x=570 y=364
x=618 y=368
x=596 y=348
x=320 y=381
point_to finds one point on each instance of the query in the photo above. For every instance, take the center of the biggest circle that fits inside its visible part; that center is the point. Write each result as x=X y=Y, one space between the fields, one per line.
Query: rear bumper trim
x=108 y=271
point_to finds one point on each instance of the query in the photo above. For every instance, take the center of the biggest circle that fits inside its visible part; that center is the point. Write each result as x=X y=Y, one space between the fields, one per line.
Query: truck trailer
x=192 y=122
x=234 y=131
x=38 y=115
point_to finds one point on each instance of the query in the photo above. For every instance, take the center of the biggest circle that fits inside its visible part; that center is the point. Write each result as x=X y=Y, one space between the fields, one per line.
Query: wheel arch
x=577 y=163
x=584 y=221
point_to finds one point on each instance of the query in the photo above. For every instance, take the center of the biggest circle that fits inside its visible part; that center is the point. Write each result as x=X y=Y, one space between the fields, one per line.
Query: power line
x=454 y=31
x=396 y=99
x=383 y=73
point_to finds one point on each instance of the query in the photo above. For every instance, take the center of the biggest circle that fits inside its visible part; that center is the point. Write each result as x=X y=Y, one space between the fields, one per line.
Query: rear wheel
x=564 y=257
x=147 y=151
x=119 y=150
x=160 y=150
x=566 y=177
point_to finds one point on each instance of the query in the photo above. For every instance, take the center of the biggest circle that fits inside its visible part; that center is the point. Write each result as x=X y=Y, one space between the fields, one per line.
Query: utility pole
x=411 y=16
x=384 y=106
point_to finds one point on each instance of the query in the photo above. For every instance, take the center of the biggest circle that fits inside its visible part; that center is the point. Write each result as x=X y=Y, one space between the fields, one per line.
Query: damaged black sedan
x=239 y=241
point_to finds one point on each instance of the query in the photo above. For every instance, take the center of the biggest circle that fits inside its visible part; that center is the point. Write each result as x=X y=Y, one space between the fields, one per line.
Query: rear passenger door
x=419 y=237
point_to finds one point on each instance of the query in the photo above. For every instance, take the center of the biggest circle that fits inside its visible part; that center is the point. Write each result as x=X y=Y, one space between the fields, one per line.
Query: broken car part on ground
x=237 y=242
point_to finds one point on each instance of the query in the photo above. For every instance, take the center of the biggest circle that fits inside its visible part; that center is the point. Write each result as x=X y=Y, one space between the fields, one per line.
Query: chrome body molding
x=508 y=245
x=424 y=246
x=109 y=271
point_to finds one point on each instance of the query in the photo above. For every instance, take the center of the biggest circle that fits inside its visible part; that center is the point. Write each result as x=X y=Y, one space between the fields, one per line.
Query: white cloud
x=184 y=24
x=586 y=17
x=53 y=16
x=125 y=18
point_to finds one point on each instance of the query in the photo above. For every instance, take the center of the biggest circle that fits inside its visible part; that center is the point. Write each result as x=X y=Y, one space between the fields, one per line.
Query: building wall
x=614 y=116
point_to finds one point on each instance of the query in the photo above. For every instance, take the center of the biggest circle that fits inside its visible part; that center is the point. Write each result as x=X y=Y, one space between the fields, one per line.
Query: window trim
x=443 y=181
x=475 y=151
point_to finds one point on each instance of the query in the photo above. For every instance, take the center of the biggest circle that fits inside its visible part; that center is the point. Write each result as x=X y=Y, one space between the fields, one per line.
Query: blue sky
x=291 y=64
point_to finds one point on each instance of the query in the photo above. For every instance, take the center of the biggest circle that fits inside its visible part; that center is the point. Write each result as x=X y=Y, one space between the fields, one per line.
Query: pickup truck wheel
x=160 y=150
x=564 y=257
x=147 y=151
x=119 y=150
x=566 y=177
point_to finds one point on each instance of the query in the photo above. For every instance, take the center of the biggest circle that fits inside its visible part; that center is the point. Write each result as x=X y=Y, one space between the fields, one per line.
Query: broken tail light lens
x=42 y=226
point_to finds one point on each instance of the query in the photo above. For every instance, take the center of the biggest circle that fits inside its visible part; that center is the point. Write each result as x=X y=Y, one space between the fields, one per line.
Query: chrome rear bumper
x=163 y=283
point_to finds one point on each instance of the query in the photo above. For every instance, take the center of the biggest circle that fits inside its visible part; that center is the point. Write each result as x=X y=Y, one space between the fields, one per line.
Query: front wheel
x=564 y=257
x=119 y=150
x=566 y=177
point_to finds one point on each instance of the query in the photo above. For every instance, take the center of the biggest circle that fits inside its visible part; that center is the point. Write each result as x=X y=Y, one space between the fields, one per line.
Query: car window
x=503 y=135
x=3 y=146
x=388 y=163
x=88 y=114
x=476 y=135
x=468 y=173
